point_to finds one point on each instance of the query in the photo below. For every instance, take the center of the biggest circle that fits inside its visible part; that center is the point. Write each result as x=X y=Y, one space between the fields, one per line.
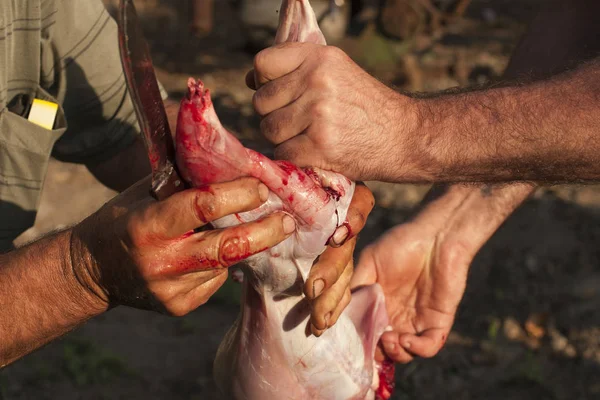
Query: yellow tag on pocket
x=43 y=113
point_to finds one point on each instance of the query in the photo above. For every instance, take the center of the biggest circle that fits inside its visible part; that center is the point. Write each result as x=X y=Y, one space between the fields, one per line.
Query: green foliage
x=494 y=328
x=376 y=51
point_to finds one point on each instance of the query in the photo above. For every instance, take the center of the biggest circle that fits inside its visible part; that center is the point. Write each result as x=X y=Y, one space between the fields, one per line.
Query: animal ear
x=298 y=23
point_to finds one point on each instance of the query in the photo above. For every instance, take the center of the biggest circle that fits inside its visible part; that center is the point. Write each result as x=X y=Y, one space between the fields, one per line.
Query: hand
x=328 y=284
x=138 y=252
x=423 y=272
x=323 y=110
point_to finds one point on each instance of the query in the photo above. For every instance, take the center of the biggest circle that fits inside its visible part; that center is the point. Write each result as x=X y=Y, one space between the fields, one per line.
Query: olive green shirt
x=65 y=51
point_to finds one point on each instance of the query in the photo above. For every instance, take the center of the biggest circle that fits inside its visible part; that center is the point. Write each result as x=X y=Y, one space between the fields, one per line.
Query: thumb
x=365 y=272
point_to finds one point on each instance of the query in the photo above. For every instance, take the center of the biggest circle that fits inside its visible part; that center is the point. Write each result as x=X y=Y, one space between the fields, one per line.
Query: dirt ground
x=528 y=327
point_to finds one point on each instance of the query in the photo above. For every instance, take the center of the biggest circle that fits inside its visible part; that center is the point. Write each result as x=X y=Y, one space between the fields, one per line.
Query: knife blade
x=147 y=101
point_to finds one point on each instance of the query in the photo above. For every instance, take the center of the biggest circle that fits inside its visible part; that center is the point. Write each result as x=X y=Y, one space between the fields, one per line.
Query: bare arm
x=41 y=298
x=557 y=38
x=131 y=164
x=134 y=251
x=320 y=109
x=545 y=131
x=455 y=221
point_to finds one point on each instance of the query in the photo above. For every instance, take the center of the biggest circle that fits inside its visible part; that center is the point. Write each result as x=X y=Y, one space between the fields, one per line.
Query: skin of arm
x=454 y=222
x=134 y=251
x=542 y=130
x=545 y=131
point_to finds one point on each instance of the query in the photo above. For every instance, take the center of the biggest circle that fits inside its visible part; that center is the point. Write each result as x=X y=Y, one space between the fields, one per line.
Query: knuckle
x=287 y=151
x=429 y=353
x=321 y=110
x=271 y=126
x=133 y=232
x=357 y=219
x=320 y=79
x=260 y=60
x=347 y=297
x=258 y=101
x=205 y=206
x=177 y=309
x=332 y=53
x=234 y=249
x=367 y=197
x=318 y=321
x=179 y=312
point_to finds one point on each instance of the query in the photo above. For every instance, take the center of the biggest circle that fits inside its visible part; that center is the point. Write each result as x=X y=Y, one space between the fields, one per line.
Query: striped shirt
x=65 y=51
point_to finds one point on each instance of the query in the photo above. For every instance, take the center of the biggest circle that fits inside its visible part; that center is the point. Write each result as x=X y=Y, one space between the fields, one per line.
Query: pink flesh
x=267 y=353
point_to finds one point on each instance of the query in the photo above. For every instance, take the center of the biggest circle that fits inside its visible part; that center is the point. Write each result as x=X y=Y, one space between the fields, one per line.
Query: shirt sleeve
x=81 y=67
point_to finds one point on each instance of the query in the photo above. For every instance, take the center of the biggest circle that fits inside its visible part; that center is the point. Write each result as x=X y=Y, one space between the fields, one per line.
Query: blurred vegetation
x=86 y=363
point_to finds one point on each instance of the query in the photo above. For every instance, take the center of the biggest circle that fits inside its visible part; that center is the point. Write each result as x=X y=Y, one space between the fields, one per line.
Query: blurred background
x=529 y=325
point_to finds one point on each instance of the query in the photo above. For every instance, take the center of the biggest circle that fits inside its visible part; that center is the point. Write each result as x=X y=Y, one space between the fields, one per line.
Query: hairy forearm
x=535 y=132
x=131 y=164
x=546 y=131
x=558 y=37
x=41 y=297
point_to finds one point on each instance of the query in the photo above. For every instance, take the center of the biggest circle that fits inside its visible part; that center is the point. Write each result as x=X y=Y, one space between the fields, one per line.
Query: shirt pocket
x=25 y=150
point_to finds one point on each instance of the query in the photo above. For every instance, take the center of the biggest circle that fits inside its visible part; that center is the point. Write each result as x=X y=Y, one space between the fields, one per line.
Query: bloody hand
x=138 y=252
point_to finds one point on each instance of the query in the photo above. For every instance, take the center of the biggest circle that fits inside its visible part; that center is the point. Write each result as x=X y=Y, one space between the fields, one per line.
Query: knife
x=149 y=108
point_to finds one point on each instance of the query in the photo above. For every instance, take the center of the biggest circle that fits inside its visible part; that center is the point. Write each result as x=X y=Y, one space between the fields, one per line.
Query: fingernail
x=289 y=225
x=263 y=192
x=406 y=345
x=318 y=286
x=327 y=318
x=340 y=235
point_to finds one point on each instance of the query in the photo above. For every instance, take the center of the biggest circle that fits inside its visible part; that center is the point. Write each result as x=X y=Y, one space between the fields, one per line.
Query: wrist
x=409 y=161
x=471 y=214
x=85 y=271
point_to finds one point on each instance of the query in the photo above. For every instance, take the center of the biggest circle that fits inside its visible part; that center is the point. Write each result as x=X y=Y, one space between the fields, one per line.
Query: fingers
x=391 y=347
x=427 y=344
x=403 y=347
x=361 y=206
x=284 y=124
x=190 y=209
x=250 y=80
x=327 y=285
x=225 y=247
x=277 y=94
x=277 y=61
x=199 y=295
x=300 y=151
x=335 y=314
x=329 y=268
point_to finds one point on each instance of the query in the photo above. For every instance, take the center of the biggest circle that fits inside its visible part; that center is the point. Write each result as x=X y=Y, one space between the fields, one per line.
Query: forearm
x=557 y=38
x=546 y=131
x=504 y=136
x=41 y=297
x=468 y=215
x=131 y=164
